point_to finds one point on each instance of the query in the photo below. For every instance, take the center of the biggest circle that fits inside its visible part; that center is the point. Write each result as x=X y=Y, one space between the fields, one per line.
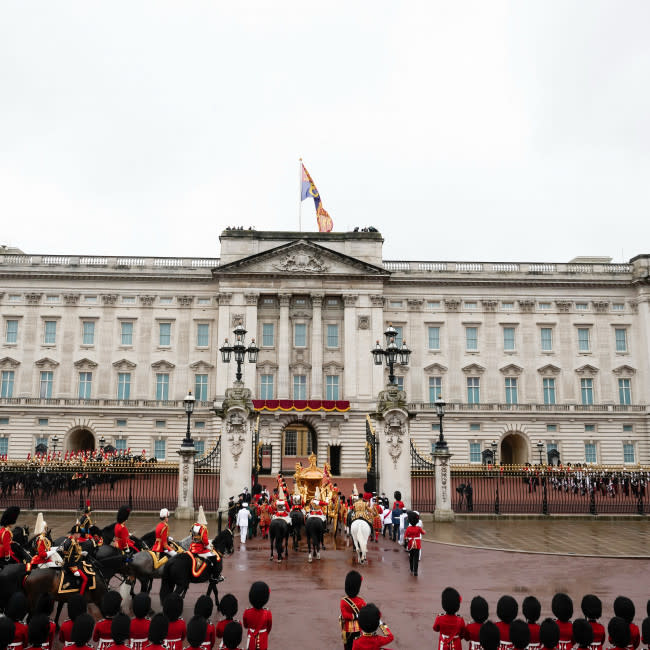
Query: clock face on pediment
x=300 y=258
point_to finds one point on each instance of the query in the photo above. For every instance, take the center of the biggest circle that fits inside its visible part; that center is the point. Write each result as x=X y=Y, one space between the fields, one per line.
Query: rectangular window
x=551 y=446
x=50 y=332
x=475 y=426
x=268 y=335
x=628 y=452
x=128 y=300
x=159 y=449
x=126 y=333
x=161 y=424
x=14 y=297
x=400 y=382
x=582 y=306
x=120 y=444
x=511 y=390
x=624 y=391
x=300 y=387
x=290 y=442
x=166 y=300
x=85 y=384
x=199 y=424
x=203 y=301
x=123 y=385
x=471 y=338
x=551 y=428
x=120 y=423
x=4 y=446
x=399 y=337
x=590 y=428
x=43 y=422
x=11 y=331
x=587 y=391
x=199 y=447
x=470 y=304
x=4 y=421
x=300 y=335
x=508 y=339
x=473 y=390
x=621 y=339
x=91 y=299
x=544 y=305
x=266 y=387
x=162 y=386
x=583 y=339
x=435 y=388
x=51 y=298
x=47 y=379
x=332 y=387
x=433 y=304
x=41 y=441
x=332 y=336
x=201 y=387
x=434 y=338
x=546 y=334
x=628 y=428
x=474 y=452
x=549 y=390
x=270 y=302
x=7 y=383
x=590 y=452
x=618 y=306
x=88 y=337
x=203 y=335
x=435 y=426
x=164 y=334
x=333 y=302
x=508 y=305
x=395 y=303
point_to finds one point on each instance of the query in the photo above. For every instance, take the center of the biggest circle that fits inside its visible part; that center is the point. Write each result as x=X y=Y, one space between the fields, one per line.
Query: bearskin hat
x=173 y=607
x=203 y=607
x=413 y=518
x=549 y=633
x=120 y=628
x=619 y=632
x=10 y=516
x=519 y=634
x=507 y=609
x=624 y=608
x=44 y=604
x=158 y=629
x=583 y=633
x=141 y=605
x=259 y=594
x=397 y=495
x=369 y=617
x=353 y=582
x=450 y=600
x=38 y=630
x=111 y=603
x=478 y=609
x=562 y=607
x=82 y=629
x=531 y=608
x=591 y=607
x=196 y=631
x=645 y=630
x=76 y=605
x=123 y=514
x=489 y=636
x=232 y=635
x=228 y=606
x=366 y=487
x=647 y=608
x=17 y=606
x=7 y=631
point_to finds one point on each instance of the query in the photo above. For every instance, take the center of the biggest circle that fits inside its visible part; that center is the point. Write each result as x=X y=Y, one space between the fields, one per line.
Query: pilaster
x=185 y=506
x=284 y=337
x=317 y=346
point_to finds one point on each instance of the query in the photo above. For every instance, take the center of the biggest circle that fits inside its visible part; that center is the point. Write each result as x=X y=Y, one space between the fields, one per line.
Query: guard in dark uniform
x=72 y=554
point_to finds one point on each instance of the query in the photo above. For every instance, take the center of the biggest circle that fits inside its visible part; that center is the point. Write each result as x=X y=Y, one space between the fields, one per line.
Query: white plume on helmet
x=164 y=513
x=201 y=517
x=40 y=526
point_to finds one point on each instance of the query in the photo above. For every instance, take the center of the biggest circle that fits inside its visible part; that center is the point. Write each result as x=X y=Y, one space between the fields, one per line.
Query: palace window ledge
x=94 y=403
x=540 y=408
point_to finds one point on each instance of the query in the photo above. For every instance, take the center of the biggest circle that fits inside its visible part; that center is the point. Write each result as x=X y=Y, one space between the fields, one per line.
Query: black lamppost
x=441 y=444
x=188 y=403
x=55 y=442
x=494 y=446
x=239 y=349
x=540 y=449
x=102 y=444
x=392 y=354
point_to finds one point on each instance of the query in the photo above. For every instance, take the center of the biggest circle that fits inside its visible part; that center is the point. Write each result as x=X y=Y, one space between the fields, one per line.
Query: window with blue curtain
x=123 y=385
x=268 y=335
x=126 y=333
x=621 y=339
x=4 y=446
x=434 y=338
x=201 y=387
x=199 y=447
x=549 y=390
x=332 y=387
x=164 y=334
x=300 y=387
x=546 y=334
x=471 y=338
x=162 y=386
x=266 y=387
x=624 y=391
x=159 y=449
x=587 y=391
x=435 y=388
x=88 y=337
x=473 y=390
x=400 y=382
x=590 y=452
x=47 y=379
x=511 y=390
x=120 y=444
x=583 y=339
x=203 y=335
x=41 y=441
x=474 y=452
x=508 y=339
x=7 y=383
x=333 y=336
x=11 y=331
x=628 y=452
x=551 y=446
x=85 y=384
x=300 y=335
x=50 y=332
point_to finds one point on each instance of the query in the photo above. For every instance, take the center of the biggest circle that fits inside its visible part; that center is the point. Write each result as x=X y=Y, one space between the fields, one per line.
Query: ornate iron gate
x=372 y=457
x=207 y=470
x=423 y=481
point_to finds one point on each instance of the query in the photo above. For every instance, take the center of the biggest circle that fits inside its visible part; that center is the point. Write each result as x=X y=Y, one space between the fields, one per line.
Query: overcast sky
x=460 y=130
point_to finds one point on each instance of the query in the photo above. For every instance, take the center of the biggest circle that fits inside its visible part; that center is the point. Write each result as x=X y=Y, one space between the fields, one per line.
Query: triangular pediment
x=549 y=369
x=124 y=364
x=587 y=369
x=473 y=369
x=85 y=363
x=511 y=369
x=302 y=258
x=46 y=362
x=621 y=371
x=8 y=362
x=162 y=365
x=435 y=369
x=201 y=365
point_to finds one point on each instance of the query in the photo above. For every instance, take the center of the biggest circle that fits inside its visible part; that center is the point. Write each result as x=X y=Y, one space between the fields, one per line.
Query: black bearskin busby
x=44 y=604
x=353 y=582
x=173 y=607
x=227 y=606
x=7 y=632
x=489 y=636
x=549 y=633
x=17 y=606
x=10 y=516
x=507 y=609
x=76 y=605
x=82 y=629
x=111 y=603
x=141 y=605
x=196 y=631
x=369 y=617
x=413 y=518
x=624 y=608
x=450 y=600
x=562 y=607
x=519 y=634
x=397 y=495
x=203 y=607
x=232 y=635
x=591 y=607
x=478 y=609
x=158 y=629
x=120 y=628
x=123 y=514
x=38 y=630
x=259 y=594
x=619 y=632
x=366 y=487
x=645 y=631
x=583 y=633
x=531 y=608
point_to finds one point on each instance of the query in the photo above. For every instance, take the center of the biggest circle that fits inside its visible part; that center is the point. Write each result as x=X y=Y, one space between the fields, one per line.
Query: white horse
x=360 y=531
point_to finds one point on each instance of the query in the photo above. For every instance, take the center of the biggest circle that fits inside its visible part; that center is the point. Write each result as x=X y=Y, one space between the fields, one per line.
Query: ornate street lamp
x=392 y=354
x=441 y=444
x=55 y=442
x=239 y=349
x=540 y=449
x=188 y=403
x=494 y=446
x=102 y=443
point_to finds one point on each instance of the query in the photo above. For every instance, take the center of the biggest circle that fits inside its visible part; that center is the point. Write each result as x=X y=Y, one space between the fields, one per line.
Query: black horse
x=297 y=524
x=279 y=535
x=314 y=528
x=177 y=574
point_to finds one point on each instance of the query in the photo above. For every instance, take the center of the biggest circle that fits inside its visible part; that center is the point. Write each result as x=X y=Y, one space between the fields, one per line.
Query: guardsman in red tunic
x=9 y=517
x=43 y=544
x=583 y=634
x=122 y=540
x=507 y=610
x=281 y=507
x=592 y=608
x=489 y=636
x=450 y=626
x=110 y=608
x=197 y=629
x=624 y=608
x=161 y=545
x=257 y=619
x=562 y=607
x=228 y=606
x=619 y=633
x=350 y=607
x=264 y=514
x=413 y=538
x=531 y=608
x=370 y=622
x=478 y=610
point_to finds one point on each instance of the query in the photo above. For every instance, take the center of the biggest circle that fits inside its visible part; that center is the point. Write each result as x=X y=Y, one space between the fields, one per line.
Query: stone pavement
x=305 y=597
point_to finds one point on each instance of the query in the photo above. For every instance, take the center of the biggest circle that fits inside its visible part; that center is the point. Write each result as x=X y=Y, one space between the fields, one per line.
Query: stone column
x=253 y=334
x=350 y=351
x=443 y=511
x=284 y=337
x=185 y=506
x=317 y=346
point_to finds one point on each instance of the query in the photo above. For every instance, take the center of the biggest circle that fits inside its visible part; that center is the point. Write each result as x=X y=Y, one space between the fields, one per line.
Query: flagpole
x=299 y=194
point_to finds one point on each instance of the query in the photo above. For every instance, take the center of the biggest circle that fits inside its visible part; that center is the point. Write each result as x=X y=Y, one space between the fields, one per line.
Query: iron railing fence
x=423 y=481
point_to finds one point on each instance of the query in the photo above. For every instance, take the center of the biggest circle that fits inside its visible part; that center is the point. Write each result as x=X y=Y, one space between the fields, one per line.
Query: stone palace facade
x=530 y=357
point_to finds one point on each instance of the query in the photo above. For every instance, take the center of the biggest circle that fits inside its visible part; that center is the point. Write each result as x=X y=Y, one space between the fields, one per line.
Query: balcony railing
x=545 y=408
x=100 y=403
x=404 y=266
x=95 y=262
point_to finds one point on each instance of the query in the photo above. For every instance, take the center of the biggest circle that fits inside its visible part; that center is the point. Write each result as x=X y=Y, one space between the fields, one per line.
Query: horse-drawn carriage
x=309 y=479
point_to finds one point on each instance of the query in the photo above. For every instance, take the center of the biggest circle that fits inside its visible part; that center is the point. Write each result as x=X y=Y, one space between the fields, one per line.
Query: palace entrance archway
x=514 y=450
x=298 y=442
x=80 y=440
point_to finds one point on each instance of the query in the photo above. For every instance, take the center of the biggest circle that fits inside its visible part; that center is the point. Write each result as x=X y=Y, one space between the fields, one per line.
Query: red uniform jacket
x=221 y=626
x=5 y=544
x=20 y=635
x=413 y=535
x=451 y=629
x=599 y=633
x=162 y=531
x=210 y=637
x=533 y=628
x=350 y=623
x=118 y=647
x=176 y=634
x=504 y=631
x=122 y=539
x=472 y=633
x=566 y=634
x=66 y=631
x=50 y=637
x=635 y=637
x=103 y=630
x=258 y=622
x=42 y=547
x=371 y=641
x=201 y=546
x=140 y=629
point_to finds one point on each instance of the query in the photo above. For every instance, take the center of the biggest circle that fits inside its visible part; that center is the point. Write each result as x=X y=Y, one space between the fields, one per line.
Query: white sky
x=461 y=130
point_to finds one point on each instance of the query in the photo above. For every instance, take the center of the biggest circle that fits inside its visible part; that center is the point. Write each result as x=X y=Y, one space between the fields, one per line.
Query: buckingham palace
x=532 y=358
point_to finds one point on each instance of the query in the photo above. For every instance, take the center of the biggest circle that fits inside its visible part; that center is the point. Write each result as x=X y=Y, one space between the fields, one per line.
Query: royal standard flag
x=308 y=189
